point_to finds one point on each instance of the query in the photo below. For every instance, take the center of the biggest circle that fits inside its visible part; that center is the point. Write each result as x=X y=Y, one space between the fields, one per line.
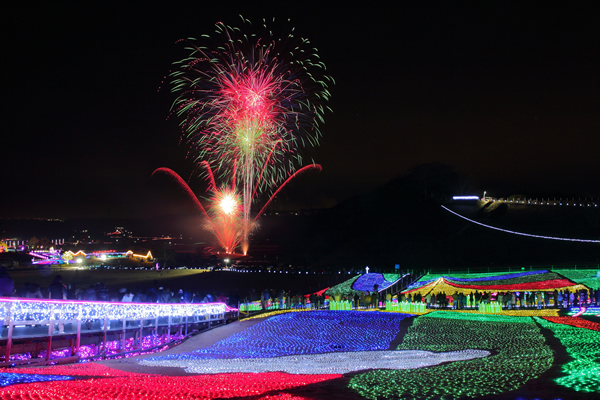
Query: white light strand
x=521 y=233
x=327 y=363
x=43 y=310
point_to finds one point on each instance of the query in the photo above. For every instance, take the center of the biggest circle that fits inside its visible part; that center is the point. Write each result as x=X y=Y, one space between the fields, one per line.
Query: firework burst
x=249 y=105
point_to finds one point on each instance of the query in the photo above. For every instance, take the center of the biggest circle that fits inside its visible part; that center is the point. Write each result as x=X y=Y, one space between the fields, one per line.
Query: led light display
x=583 y=373
x=100 y=382
x=587 y=277
x=327 y=363
x=525 y=281
x=584 y=311
x=576 y=322
x=344 y=288
x=8 y=378
x=368 y=281
x=522 y=354
x=406 y=307
x=307 y=332
x=43 y=310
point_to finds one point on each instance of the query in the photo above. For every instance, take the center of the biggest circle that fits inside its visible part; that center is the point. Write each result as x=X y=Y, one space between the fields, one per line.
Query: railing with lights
x=35 y=318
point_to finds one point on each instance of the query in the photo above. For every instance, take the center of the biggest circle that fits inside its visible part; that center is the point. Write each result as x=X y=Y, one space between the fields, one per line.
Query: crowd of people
x=509 y=300
x=288 y=299
x=99 y=292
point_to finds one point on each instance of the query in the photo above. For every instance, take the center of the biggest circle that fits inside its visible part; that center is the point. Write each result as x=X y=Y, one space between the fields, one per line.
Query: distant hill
x=400 y=223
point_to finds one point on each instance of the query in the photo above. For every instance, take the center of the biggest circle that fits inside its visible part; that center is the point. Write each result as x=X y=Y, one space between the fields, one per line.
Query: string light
x=7 y=378
x=521 y=233
x=577 y=322
x=309 y=332
x=368 y=281
x=577 y=311
x=344 y=288
x=525 y=281
x=100 y=382
x=43 y=310
x=327 y=363
x=521 y=355
x=583 y=373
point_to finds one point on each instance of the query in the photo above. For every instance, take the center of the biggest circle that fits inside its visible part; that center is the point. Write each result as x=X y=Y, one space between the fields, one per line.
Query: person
x=281 y=299
x=221 y=298
x=102 y=292
x=90 y=294
x=152 y=296
x=265 y=299
x=165 y=295
x=7 y=285
x=34 y=292
x=208 y=298
x=58 y=291
x=127 y=296
x=140 y=296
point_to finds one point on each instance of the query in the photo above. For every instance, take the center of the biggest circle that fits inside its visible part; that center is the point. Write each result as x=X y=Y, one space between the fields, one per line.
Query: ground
x=526 y=357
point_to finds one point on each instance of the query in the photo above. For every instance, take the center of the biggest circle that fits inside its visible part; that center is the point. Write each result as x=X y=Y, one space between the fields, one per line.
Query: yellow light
x=228 y=204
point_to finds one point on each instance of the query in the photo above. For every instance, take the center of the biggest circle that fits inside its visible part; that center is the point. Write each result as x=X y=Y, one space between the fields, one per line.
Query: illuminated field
x=349 y=355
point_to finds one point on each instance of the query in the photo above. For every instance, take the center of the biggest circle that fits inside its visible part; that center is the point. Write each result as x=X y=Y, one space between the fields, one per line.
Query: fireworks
x=223 y=216
x=248 y=105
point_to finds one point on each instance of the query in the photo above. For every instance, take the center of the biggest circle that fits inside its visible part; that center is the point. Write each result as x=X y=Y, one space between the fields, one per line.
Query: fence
x=29 y=324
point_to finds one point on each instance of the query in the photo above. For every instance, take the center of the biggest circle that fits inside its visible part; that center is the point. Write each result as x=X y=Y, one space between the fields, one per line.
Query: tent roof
x=517 y=282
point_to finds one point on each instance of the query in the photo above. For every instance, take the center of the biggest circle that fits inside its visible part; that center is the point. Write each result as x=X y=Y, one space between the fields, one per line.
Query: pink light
x=114 y=303
x=581 y=311
x=301 y=170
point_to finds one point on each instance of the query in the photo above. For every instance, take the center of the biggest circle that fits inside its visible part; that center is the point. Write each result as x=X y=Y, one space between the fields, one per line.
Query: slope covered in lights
x=587 y=277
x=466 y=283
x=583 y=373
x=521 y=355
x=308 y=332
x=368 y=281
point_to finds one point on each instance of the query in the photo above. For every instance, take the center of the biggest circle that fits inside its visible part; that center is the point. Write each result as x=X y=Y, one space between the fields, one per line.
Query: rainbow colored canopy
x=360 y=284
x=512 y=282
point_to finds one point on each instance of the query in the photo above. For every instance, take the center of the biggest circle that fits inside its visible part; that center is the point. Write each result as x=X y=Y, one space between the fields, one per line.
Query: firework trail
x=225 y=208
x=222 y=213
x=248 y=105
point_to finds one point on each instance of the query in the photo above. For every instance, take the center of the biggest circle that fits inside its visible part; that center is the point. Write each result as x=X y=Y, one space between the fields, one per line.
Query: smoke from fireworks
x=248 y=105
x=223 y=216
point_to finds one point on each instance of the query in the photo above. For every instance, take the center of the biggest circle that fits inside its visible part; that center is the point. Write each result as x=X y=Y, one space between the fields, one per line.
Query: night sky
x=508 y=94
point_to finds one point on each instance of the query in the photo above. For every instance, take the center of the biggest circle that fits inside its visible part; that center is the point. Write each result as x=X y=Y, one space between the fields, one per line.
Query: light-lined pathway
x=199 y=341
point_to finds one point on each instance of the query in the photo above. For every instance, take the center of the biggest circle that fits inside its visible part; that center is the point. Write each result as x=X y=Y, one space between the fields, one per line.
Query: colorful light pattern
x=522 y=354
x=583 y=373
x=344 y=288
x=521 y=233
x=248 y=105
x=576 y=322
x=578 y=311
x=100 y=382
x=10 y=378
x=476 y=277
x=42 y=310
x=587 y=277
x=327 y=363
x=526 y=281
x=368 y=281
x=308 y=332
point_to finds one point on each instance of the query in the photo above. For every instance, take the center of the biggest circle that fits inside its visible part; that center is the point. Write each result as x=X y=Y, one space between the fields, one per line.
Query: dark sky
x=506 y=93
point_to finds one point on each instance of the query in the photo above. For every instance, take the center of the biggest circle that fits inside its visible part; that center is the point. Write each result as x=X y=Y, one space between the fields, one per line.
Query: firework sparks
x=249 y=105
